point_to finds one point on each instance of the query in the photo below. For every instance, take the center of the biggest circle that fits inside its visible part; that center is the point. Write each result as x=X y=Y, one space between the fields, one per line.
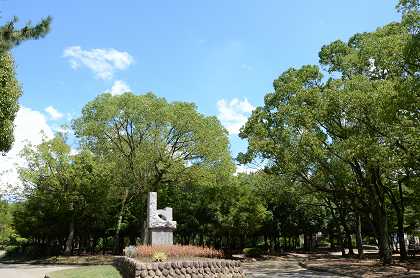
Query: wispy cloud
x=119 y=87
x=234 y=113
x=54 y=114
x=102 y=62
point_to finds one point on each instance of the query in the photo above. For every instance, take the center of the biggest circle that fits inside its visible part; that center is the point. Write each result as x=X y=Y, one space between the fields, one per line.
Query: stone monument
x=159 y=226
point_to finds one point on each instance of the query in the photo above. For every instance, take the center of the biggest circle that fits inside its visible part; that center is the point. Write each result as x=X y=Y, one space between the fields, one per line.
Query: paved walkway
x=280 y=267
x=28 y=270
x=284 y=267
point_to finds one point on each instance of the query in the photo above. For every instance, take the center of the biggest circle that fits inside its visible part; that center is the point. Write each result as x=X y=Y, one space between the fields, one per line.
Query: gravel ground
x=282 y=267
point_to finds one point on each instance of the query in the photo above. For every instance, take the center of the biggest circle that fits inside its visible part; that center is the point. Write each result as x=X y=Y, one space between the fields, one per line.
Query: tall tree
x=10 y=91
x=366 y=117
x=65 y=194
x=155 y=143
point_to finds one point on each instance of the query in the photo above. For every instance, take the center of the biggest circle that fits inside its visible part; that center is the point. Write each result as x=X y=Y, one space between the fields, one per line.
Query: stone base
x=159 y=236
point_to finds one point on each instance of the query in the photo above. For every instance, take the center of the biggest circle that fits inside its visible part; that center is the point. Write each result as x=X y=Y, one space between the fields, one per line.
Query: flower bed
x=177 y=251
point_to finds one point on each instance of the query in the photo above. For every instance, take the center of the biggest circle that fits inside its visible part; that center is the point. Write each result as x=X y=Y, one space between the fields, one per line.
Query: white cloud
x=55 y=115
x=103 y=62
x=30 y=127
x=119 y=87
x=234 y=114
x=74 y=151
x=245 y=169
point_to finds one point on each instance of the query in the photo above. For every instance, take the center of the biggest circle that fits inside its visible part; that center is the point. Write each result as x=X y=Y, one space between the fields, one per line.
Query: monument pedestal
x=161 y=236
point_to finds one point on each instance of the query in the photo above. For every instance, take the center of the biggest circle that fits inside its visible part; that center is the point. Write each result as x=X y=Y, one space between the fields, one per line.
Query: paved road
x=285 y=267
x=28 y=270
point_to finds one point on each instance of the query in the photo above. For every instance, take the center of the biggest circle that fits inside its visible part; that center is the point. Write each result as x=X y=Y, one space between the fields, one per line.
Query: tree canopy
x=364 y=119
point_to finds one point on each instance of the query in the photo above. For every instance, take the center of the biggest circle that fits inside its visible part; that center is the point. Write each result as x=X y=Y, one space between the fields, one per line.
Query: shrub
x=159 y=257
x=178 y=251
x=253 y=252
x=130 y=251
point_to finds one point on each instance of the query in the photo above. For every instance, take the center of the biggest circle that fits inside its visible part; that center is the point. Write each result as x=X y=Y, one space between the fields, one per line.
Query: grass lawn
x=98 y=271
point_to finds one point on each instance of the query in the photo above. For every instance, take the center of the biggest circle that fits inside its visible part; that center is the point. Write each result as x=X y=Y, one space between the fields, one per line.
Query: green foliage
x=7 y=233
x=353 y=139
x=58 y=187
x=253 y=252
x=10 y=92
x=10 y=36
x=153 y=140
x=152 y=144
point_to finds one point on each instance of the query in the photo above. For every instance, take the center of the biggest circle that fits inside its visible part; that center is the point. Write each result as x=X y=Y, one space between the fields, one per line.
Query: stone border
x=131 y=268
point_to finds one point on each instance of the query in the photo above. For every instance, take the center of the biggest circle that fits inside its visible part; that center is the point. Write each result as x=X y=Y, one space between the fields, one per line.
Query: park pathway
x=279 y=267
x=282 y=267
x=28 y=270
x=271 y=268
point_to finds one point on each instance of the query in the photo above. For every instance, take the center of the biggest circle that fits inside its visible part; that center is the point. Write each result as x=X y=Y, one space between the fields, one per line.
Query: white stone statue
x=160 y=225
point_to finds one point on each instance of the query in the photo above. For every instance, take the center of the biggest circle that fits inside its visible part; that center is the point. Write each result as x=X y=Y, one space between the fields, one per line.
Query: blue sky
x=196 y=51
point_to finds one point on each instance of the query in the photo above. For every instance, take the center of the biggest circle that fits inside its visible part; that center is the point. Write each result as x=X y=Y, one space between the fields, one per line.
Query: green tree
x=10 y=90
x=366 y=118
x=6 y=229
x=63 y=191
x=153 y=143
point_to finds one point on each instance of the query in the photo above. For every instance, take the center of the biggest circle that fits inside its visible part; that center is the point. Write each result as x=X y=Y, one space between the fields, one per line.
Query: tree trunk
x=331 y=240
x=69 y=241
x=401 y=240
x=359 y=237
x=342 y=247
x=350 y=244
x=340 y=238
x=265 y=242
x=383 y=237
x=400 y=215
x=119 y=223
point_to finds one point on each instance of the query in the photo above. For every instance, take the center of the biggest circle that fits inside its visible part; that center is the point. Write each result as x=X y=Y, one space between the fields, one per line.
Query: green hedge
x=253 y=252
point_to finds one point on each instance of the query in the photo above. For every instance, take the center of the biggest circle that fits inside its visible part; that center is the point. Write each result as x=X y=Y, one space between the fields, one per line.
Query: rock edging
x=131 y=268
